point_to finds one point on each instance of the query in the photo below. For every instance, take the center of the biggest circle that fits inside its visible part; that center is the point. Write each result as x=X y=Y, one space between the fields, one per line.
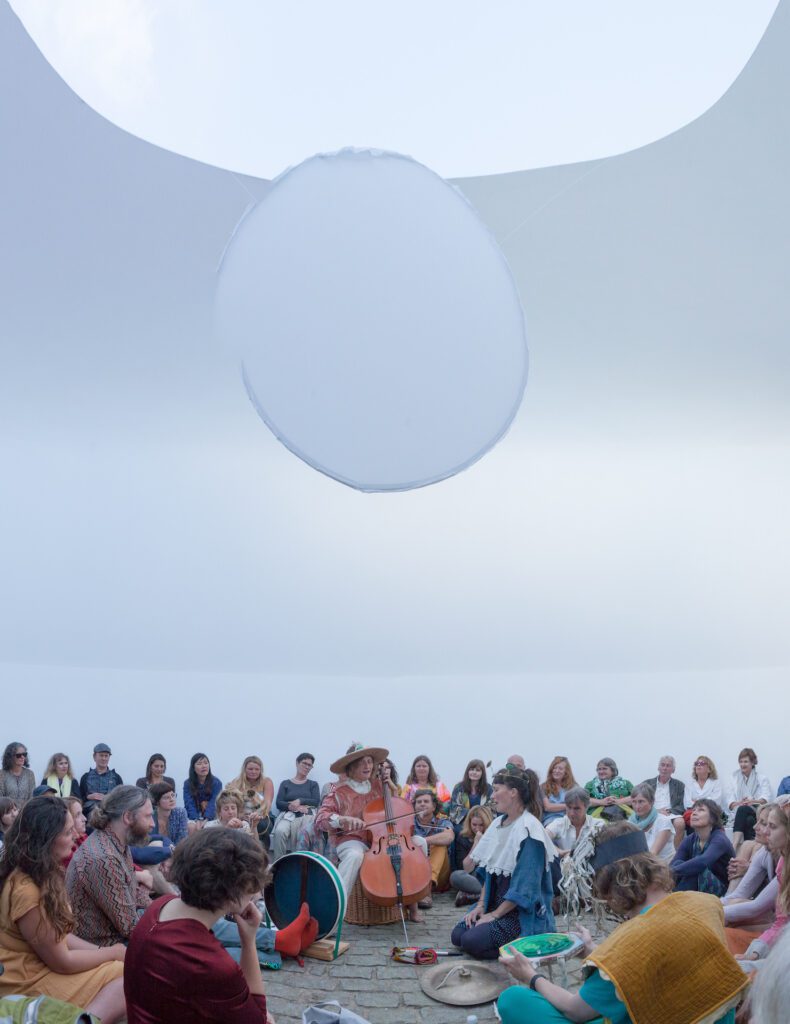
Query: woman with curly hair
x=677 y=936
x=59 y=775
x=16 y=779
x=40 y=954
x=515 y=854
x=559 y=779
x=176 y=968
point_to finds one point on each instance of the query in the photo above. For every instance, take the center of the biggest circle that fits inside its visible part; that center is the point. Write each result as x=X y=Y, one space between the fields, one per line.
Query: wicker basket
x=361 y=911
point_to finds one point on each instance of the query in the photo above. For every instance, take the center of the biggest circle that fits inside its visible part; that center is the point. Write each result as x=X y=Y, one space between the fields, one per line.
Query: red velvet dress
x=178 y=971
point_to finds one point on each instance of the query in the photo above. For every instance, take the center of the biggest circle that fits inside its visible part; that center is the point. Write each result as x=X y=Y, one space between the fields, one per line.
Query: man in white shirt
x=575 y=824
x=670 y=795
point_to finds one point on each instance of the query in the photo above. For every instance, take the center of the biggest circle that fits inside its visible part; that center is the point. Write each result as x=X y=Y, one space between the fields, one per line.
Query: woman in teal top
x=666 y=934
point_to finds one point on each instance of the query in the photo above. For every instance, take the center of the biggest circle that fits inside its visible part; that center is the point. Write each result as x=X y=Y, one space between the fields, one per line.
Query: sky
x=464 y=87
x=174 y=578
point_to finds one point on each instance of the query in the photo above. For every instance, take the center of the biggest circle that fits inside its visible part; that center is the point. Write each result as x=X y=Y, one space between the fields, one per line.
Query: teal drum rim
x=283 y=900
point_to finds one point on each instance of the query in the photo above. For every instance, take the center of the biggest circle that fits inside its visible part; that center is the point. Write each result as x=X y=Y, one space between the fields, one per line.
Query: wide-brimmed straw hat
x=378 y=754
x=467 y=983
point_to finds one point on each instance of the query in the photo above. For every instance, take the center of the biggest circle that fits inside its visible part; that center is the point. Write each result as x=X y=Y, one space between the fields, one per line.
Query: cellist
x=342 y=808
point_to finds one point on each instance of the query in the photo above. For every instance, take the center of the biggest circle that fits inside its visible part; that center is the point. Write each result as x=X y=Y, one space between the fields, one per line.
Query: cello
x=394 y=871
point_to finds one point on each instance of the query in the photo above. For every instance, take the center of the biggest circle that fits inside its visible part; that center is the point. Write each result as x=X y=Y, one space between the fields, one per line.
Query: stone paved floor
x=364 y=978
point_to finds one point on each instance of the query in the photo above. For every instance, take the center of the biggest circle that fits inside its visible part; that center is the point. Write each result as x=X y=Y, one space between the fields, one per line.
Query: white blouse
x=712 y=790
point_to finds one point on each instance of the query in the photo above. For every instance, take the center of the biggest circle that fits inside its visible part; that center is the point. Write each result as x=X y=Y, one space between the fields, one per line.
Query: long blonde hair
x=485 y=812
x=783 y=899
x=241 y=784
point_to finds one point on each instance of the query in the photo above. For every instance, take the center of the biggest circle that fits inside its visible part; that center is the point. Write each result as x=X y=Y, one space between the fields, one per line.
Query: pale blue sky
x=464 y=87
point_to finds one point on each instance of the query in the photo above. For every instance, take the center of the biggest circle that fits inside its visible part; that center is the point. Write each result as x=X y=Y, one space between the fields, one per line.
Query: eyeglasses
x=21 y=753
x=700 y=764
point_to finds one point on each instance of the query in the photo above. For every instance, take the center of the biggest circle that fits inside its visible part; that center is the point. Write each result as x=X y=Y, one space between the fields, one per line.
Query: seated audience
x=176 y=969
x=657 y=827
x=104 y=891
x=705 y=785
x=574 y=837
x=17 y=781
x=100 y=780
x=201 y=790
x=576 y=824
x=748 y=790
x=778 y=843
x=751 y=908
x=423 y=776
x=8 y=811
x=700 y=863
x=771 y=989
x=559 y=779
x=155 y=773
x=79 y=831
x=515 y=854
x=38 y=950
x=229 y=805
x=679 y=936
x=388 y=774
x=610 y=793
x=169 y=820
x=467 y=877
x=742 y=861
x=257 y=790
x=437 y=830
x=670 y=795
x=109 y=896
x=59 y=776
x=472 y=791
x=298 y=800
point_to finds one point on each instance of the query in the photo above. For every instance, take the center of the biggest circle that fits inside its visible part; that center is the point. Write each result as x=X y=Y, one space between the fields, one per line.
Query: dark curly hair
x=623 y=884
x=28 y=847
x=437 y=805
x=216 y=867
x=8 y=756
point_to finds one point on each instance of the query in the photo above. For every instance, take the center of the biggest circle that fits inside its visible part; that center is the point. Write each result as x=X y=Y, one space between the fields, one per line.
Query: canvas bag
x=331 y=1012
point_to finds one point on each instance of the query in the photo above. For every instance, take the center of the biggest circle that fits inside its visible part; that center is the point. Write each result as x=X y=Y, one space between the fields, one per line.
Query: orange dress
x=25 y=973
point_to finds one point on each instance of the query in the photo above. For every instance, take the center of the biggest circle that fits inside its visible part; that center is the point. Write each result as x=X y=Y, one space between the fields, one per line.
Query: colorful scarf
x=617 y=786
x=645 y=823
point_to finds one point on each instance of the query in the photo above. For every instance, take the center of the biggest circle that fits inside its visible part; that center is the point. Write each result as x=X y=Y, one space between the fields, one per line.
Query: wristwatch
x=534 y=979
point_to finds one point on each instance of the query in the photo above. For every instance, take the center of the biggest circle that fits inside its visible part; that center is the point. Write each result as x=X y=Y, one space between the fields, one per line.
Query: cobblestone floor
x=364 y=978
